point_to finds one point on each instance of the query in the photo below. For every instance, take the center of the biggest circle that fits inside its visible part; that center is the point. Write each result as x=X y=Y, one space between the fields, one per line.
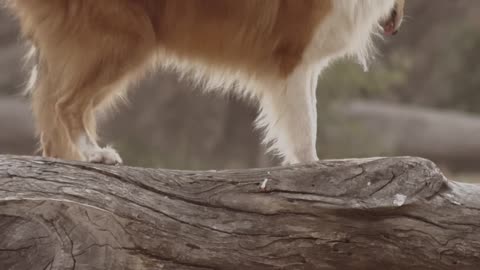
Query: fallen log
x=379 y=213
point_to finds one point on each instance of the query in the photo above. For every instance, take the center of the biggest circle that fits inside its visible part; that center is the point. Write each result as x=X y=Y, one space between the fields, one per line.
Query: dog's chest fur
x=348 y=30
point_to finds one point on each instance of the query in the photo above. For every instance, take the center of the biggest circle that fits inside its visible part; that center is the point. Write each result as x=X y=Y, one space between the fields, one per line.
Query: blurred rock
x=447 y=137
x=171 y=123
x=16 y=127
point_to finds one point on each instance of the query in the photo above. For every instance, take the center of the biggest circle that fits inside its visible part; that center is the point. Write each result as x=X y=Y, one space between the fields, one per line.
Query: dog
x=87 y=53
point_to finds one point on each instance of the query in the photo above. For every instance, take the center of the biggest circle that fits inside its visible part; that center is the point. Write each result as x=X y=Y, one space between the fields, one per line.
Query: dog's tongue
x=389 y=28
x=390 y=25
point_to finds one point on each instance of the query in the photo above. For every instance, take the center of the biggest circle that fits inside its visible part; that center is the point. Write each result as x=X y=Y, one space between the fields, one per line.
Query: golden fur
x=89 y=50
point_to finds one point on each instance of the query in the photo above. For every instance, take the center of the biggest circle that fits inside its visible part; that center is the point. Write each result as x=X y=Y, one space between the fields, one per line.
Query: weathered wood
x=382 y=213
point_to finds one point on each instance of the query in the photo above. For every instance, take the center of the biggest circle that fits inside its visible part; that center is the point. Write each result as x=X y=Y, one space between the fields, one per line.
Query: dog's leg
x=65 y=117
x=54 y=137
x=290 y=118
x=86 y=141
x=79 y=73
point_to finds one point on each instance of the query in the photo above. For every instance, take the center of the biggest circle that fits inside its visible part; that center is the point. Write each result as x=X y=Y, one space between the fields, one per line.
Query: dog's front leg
x=289 y=116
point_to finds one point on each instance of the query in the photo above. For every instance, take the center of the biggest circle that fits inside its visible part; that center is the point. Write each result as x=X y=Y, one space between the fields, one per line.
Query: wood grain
x=381 y=213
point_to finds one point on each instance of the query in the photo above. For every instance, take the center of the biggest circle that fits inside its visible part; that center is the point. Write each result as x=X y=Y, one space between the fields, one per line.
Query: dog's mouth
x=392 y=23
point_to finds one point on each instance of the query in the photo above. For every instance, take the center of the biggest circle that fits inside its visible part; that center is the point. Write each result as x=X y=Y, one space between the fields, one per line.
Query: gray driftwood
x=384 y=213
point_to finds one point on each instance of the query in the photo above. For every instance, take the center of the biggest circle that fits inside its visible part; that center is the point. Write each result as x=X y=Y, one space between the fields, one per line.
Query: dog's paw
x=105 y=155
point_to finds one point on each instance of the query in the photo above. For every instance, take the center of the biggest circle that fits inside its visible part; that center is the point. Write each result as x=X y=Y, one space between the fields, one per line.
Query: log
x=378 y=213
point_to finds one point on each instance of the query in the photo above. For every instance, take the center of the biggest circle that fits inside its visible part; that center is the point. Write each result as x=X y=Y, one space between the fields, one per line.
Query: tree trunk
x=382 y=213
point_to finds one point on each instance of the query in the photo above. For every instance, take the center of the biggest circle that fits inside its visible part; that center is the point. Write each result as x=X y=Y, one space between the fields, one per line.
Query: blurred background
x=421 y=97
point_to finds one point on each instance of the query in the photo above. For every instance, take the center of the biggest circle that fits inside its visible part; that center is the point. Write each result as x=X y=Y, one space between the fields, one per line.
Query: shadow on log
x=383 y=213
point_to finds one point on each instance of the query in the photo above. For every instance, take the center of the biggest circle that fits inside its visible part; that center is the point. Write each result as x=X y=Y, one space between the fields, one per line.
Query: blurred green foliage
x=345 y=79
x=461 y=52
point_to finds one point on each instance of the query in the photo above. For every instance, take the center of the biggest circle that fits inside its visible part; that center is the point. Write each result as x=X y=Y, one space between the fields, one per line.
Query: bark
x=381 y=213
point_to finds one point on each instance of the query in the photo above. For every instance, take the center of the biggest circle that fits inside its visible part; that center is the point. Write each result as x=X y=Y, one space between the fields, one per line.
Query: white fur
x=290 y=117
x=288 y=108
x=348 y=30
x=91 y=152
x=30 y=57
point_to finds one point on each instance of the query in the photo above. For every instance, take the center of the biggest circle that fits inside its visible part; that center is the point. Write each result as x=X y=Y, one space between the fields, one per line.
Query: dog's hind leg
x=79 y=73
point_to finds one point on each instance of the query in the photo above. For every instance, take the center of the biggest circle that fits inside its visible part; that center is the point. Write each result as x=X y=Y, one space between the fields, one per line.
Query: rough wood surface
x=383 y=213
